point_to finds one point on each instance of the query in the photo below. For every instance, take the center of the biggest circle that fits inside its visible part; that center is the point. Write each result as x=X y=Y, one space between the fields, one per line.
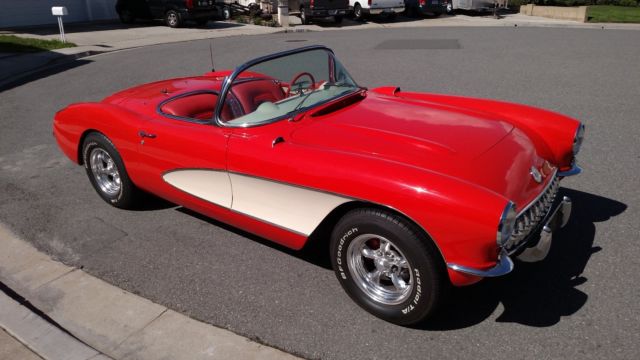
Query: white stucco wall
x=15 y=13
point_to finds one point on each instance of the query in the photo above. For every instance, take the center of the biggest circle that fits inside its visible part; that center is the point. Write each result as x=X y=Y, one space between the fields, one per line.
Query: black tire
x=96 y=144
x=427 y=283
x=173 y=19
x=126 y=16
x=338 y=19
x=303 y=16
x=450 y=9
x=357 y=12
x=226 y=13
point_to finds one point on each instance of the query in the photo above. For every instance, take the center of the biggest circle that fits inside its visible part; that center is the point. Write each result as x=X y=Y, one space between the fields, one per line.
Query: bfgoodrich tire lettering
x=106 y=171
x=419 y=266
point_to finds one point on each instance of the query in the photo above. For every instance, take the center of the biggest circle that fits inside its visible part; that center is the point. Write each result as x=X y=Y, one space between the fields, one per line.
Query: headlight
x=507 y=224
x=577 y=139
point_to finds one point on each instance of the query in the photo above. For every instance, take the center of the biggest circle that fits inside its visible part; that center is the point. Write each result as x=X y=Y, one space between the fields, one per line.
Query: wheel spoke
x=397 y=281
x=385 y=246
x=369 y=253
x=402 y=263
x=374 y=276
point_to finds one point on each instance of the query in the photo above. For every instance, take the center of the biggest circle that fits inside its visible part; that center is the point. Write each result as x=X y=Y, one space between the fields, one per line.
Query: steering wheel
x=297 y=77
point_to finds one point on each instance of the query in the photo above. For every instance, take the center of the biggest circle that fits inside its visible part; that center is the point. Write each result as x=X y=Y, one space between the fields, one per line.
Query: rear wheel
x=357 y=12
x=107 y=173
x=226 y=13
x=387 y=266
x=173 y=19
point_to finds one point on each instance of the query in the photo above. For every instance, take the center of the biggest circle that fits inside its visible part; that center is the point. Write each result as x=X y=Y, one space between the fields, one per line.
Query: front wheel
x=387 y=266
x=226 y=13
x=107 y=173
x=173 y=19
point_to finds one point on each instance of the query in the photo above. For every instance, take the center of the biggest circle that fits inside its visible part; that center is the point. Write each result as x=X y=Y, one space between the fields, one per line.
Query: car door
x=274 y=181
x=185 y=161
x=157 y=8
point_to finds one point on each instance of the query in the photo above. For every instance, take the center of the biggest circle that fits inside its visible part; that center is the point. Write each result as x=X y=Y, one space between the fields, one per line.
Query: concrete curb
x=110 y=320
x=40 y=336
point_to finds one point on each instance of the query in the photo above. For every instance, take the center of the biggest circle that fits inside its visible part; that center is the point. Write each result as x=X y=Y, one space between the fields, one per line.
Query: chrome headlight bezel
x=507 y=224
x=577 y=139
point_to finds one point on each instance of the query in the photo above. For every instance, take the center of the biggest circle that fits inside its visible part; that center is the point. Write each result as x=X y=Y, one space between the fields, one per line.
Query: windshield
x=279 y=87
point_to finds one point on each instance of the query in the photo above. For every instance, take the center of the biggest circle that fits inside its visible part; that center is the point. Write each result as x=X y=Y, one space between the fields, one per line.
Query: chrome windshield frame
x=228 y=81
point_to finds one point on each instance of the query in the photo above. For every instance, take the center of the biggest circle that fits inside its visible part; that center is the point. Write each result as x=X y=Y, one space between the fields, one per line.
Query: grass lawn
x=12 y=43
x=618 y=14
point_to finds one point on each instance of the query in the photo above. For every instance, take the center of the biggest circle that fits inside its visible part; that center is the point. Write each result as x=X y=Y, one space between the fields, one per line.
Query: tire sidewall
x=421 y=300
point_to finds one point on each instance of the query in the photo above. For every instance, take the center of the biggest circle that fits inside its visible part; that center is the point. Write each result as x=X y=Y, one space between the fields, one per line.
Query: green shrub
x=629 y=3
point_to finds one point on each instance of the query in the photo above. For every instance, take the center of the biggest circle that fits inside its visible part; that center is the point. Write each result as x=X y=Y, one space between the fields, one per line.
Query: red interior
x=252 y=93
x=249 y=94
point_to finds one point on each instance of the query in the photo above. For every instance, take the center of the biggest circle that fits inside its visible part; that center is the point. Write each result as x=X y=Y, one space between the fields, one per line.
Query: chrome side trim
x=575 y=170
x=503 y=267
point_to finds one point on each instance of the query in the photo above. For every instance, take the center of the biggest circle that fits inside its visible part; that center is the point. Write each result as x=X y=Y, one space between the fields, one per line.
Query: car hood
x=473 y=146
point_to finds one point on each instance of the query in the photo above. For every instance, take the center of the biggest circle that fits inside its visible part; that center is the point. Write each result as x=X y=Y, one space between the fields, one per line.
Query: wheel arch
x=83 y=136
x=320 y=238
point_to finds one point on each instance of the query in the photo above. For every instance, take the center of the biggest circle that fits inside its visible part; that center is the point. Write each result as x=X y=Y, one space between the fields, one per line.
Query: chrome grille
x=529 y=218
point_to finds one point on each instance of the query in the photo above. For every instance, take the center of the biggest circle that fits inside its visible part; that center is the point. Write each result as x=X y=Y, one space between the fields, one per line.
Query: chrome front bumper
x=557 y=218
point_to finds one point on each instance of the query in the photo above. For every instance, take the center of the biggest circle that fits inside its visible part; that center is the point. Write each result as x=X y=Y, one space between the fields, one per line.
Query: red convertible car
x=410 y=192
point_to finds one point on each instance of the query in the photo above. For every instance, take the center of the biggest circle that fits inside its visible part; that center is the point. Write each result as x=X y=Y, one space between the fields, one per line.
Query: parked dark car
x=173 y=12
x=323 y=8
x=421 y=7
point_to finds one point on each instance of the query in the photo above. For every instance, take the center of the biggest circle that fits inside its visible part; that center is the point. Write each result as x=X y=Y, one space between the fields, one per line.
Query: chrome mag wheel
x=379 y=269
x=105 y=172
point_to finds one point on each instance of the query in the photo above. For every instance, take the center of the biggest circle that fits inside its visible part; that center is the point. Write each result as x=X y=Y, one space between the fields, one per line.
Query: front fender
x=121 y=126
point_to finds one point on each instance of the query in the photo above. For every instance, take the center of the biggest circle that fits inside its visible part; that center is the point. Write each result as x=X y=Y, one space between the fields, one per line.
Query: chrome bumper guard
x=556 y=219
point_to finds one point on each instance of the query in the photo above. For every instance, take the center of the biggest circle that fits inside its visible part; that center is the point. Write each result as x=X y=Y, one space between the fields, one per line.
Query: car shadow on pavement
x=308 y=254
x=61 y=65
x=536 y=294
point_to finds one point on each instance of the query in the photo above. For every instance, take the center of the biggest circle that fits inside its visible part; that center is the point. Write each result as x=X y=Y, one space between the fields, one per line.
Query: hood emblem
x=536 y=175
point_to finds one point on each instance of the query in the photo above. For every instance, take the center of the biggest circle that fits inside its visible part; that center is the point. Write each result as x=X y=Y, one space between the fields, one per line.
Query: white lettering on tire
x=352 y=231
x=416 y=298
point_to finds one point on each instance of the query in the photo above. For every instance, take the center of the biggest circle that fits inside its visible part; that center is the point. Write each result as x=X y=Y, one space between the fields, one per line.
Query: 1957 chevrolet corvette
x=410 y=192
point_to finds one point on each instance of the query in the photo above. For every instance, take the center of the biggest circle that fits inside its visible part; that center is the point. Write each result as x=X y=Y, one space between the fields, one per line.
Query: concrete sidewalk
x=101 y=321
x=99 y=38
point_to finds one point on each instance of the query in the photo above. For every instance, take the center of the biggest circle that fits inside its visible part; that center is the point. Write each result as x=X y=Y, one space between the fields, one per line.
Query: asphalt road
x=582 y=302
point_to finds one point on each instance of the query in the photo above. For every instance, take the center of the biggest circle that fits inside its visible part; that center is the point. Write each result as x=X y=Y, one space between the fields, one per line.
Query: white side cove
x=287 y=206
x=291 y=207
x=210 y=185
